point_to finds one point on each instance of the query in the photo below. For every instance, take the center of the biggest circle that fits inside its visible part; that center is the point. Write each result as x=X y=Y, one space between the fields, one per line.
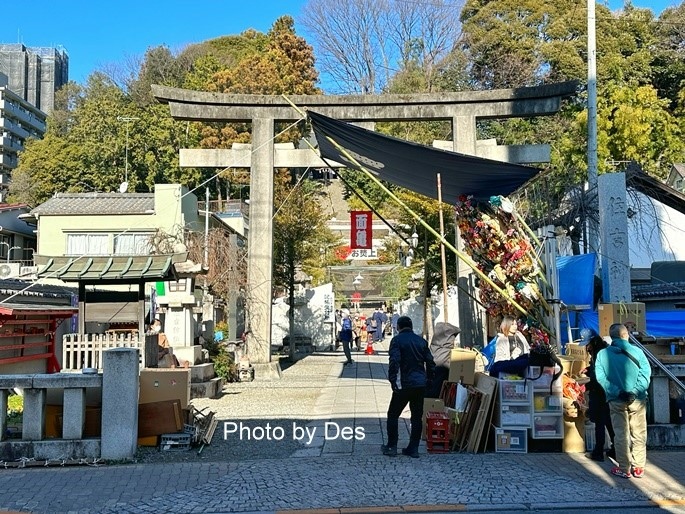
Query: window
x=88 y=244
x=177 y=287
x=132 y=244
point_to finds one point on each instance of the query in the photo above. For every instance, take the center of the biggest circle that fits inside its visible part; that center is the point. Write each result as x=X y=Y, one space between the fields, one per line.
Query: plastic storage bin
x=515 y=415
x=514 y=391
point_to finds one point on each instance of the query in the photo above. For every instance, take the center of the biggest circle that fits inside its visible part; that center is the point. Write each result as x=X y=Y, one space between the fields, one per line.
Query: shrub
x=15 y=408
x=224 y=366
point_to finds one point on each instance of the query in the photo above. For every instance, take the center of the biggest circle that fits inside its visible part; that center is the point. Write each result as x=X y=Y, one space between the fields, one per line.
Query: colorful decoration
x=498 y=244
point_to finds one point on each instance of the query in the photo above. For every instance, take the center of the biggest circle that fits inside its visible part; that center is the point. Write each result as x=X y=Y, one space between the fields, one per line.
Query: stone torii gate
x=463 y=109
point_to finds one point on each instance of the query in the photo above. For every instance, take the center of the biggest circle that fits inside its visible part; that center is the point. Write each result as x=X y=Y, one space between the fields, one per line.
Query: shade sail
x=415 y=166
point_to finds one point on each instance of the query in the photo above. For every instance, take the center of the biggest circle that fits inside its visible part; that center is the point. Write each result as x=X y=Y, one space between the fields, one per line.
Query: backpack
x=347 y=324
x=489 y=352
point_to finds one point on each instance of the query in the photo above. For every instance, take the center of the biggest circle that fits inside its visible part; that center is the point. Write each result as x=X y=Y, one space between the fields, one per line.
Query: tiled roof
x=641 y=274
x=655 y=291
x=680 y=168
x=12 y=206
x=15 y=287
x=96 y=203
x=96 y=269
x=20 y=309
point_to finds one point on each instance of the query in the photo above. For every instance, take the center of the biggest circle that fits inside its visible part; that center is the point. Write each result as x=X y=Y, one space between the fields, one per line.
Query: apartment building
x=35 y=73
x=19 y=121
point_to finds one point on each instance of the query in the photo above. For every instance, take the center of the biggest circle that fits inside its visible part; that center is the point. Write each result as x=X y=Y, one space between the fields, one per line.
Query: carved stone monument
x=614 y=254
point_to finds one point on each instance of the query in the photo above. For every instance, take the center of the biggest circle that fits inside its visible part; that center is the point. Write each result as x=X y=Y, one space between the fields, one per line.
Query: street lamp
x=414 y=239
x=126 y=119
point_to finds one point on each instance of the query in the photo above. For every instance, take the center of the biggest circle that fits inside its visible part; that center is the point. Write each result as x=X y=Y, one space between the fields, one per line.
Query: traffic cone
x=369 y=347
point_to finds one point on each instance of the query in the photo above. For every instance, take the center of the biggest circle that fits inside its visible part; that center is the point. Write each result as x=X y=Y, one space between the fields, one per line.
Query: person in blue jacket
x=410 y=371
x=623 y=371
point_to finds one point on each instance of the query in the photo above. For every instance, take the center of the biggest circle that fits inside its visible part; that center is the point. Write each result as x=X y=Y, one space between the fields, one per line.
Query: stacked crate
x=437 y=432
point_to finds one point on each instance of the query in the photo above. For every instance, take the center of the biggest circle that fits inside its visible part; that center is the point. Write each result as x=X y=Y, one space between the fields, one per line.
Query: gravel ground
x=280 y=402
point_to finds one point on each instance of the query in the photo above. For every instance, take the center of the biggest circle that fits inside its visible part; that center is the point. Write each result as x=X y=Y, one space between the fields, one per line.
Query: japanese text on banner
x=361 y=236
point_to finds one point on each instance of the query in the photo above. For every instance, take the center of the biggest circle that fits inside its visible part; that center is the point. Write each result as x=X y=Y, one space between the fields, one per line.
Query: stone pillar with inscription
x=613 y=231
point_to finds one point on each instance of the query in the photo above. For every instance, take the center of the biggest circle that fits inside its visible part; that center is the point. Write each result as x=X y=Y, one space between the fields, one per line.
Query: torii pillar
x=259 y=267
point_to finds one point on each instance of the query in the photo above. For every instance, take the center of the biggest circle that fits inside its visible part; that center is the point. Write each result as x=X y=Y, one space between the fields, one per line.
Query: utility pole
x=443 y=260
x=593 y=190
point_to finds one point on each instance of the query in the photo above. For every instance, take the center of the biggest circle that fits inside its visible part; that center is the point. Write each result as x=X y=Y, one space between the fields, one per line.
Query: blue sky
x=97 y=33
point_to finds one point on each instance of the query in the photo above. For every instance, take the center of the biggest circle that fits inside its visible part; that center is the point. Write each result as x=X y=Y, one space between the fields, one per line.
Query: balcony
x=10 y=144
x=235 y=207
x=14 y=128
x=8 y=161
x=24 y=116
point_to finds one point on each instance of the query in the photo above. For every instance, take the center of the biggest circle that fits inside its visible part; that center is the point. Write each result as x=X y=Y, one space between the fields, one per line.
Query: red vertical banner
x=361 y=226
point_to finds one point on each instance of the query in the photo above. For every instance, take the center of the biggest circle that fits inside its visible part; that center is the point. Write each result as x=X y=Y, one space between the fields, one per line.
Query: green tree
x=669 y=54
x=161 y=67
x=300 y=232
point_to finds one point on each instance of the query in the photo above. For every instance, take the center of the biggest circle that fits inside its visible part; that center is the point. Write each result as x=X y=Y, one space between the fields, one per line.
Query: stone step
x=209 y=389
x=202 y=372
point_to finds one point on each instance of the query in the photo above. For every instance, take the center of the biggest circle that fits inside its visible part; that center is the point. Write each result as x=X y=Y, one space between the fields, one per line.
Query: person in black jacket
x=598 y=408
x=410 y=371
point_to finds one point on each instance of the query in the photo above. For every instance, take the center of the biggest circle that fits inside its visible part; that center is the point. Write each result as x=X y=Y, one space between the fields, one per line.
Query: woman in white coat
x=511 y=343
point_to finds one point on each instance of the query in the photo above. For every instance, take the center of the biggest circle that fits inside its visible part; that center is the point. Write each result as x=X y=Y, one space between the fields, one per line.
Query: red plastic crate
x=437 y=432
x=438 y=446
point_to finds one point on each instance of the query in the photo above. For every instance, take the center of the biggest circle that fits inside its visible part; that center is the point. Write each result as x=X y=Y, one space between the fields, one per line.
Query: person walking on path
x=410 y=371
x=379 y=318
x=598 y=409
x=393 y=322
x=346 y=336
x=623 y=372
x=357 y=332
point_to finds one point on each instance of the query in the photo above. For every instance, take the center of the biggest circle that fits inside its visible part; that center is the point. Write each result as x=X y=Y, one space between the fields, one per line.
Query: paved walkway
x=347 y=474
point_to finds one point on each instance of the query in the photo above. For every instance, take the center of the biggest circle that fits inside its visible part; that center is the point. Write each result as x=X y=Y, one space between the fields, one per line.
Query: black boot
x=597 y=454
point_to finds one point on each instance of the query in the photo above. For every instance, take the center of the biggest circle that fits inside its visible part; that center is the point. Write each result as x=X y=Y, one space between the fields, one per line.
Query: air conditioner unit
x=28 y=272
x=9 y=269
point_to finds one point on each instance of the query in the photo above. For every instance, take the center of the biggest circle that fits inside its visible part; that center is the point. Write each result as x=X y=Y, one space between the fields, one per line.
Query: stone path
x=345 y=475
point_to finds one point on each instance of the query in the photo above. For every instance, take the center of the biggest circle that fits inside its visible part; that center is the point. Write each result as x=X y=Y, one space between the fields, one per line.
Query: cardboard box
x=160 y=384
x=151 y=440
x=632 y=315
x=575 y=352
x=53 y=421
x=572 y=366
x=462 y=366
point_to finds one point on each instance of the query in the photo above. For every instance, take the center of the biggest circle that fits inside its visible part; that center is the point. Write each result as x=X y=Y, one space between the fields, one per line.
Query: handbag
x=543 y=356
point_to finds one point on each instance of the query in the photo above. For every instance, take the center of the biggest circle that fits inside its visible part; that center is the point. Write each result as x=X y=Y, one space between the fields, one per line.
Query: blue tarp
x=576 y=279
x=659 y=323
x=576 y=287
